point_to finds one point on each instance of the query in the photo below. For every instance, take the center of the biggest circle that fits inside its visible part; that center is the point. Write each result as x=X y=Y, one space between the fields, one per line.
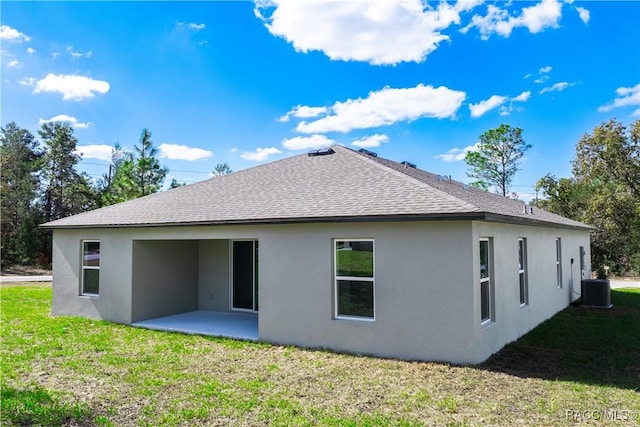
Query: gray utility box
x=596 y=293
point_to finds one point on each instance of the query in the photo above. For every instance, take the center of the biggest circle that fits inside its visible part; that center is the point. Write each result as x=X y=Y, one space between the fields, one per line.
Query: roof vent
x=321 y=152
x=409 y=165
x=367 y=152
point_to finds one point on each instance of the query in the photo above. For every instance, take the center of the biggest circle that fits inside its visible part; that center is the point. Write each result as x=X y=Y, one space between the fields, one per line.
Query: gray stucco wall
x=165 y=278
x=426 y=286
x=423 y=297
x=213 y=290
x=114 y=302
x=545 y=298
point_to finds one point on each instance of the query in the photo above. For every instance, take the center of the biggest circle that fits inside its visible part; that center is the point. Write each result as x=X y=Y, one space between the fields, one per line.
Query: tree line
x=40 y=182
x=603 y=192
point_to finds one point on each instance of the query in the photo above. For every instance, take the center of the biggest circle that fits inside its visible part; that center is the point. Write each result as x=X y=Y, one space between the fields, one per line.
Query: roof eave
x=470 y=216
x=537 y=222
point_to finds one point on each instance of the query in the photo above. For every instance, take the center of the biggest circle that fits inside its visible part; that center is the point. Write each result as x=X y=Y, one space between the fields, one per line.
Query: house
x=336 y=249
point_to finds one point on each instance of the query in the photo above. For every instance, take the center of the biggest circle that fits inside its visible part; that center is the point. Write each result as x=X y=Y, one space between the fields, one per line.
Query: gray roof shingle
x=344 y=186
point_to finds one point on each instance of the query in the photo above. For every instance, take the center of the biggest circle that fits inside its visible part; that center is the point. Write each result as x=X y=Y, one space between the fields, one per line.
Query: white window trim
x=88 y=267
x=488 y=279
x=559 y=262
x=359 y=279
x=523 y=272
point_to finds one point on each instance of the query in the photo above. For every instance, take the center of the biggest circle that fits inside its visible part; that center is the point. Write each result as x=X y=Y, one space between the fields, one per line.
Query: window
x=354 y=279
x=522 y=271
x=558 y=263
x=90 y=267
x=486 y=283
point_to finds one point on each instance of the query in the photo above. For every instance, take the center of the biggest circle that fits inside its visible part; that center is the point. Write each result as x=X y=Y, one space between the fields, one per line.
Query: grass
x=69 y=371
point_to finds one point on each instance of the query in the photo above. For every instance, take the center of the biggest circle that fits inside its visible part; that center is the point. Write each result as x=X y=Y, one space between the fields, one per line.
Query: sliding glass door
x=245 y=275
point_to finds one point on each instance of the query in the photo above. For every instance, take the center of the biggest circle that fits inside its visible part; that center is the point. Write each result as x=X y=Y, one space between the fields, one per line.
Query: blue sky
x=247 y=83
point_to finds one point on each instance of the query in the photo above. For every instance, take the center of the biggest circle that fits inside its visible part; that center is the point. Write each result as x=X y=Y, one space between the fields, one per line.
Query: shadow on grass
x=587 y=345
x=37 y=407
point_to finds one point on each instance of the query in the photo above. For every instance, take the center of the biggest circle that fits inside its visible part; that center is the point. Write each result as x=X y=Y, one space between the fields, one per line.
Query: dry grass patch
x=107 y=374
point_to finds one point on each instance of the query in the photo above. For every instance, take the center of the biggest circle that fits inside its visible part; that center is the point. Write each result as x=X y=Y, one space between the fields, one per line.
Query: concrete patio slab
x=213 y=323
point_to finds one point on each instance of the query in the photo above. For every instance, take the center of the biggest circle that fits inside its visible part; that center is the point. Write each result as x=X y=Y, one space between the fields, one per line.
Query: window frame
x=523 y=273
x=558 y=262
x=84 y=267
x=337 y=278
x=487 y=281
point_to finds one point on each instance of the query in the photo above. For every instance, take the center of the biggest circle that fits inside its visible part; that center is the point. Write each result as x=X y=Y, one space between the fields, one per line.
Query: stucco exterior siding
x=114 y=302
x=213 y=275
x=545 y=297
x=165 y=278
x=427 y=296
x=423 y=296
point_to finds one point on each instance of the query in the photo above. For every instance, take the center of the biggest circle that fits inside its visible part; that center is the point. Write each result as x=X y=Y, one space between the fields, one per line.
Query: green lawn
x=68 y=371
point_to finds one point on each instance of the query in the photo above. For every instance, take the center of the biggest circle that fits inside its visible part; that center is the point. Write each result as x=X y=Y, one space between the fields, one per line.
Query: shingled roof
x=343 y=186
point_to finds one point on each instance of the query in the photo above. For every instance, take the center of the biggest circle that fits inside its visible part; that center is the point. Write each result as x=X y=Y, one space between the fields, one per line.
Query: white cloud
x=11 y=34
x=302 y=111
x=370 y=141
x=260 y=155
x=523 y=97
x=545 y=14
x=14 y=64
x=375 y=31
x=504 y=102
x=77 y=54
x=72 y=87
x=307 y=142
x=585 y=15
x=386 y=107
x=96 y=151
x=234 y=149
x=557 y=87
x=456 y=154
x=482 y=107
x=626 y=96
x=31 y=50
x=190 y=26
x=545 y=70
x=65 y=118
x=27 y=81
x=182 y=152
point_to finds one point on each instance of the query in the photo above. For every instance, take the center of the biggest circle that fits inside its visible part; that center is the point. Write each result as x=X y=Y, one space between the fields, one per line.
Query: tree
x=608 y=161
x=563 y=196
x=66 y=192
x=604 y=192
x=149 y=175
x=138 y=175
x=20 y=163
x=495 y=162
x=175 y=184
x=221 y=169
x=611 y=153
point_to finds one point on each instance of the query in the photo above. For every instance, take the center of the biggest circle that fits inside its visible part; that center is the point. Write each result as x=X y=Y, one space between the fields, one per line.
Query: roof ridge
x=409 y=178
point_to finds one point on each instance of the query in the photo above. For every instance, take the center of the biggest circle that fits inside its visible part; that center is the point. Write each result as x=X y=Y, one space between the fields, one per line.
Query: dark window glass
x=355 y=298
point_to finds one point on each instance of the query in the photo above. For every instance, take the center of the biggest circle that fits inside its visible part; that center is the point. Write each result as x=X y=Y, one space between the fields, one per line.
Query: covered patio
x=203 y=322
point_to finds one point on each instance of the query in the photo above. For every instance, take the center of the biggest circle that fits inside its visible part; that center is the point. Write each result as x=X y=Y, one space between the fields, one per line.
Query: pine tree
x=20 y=163
x=140 y=173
